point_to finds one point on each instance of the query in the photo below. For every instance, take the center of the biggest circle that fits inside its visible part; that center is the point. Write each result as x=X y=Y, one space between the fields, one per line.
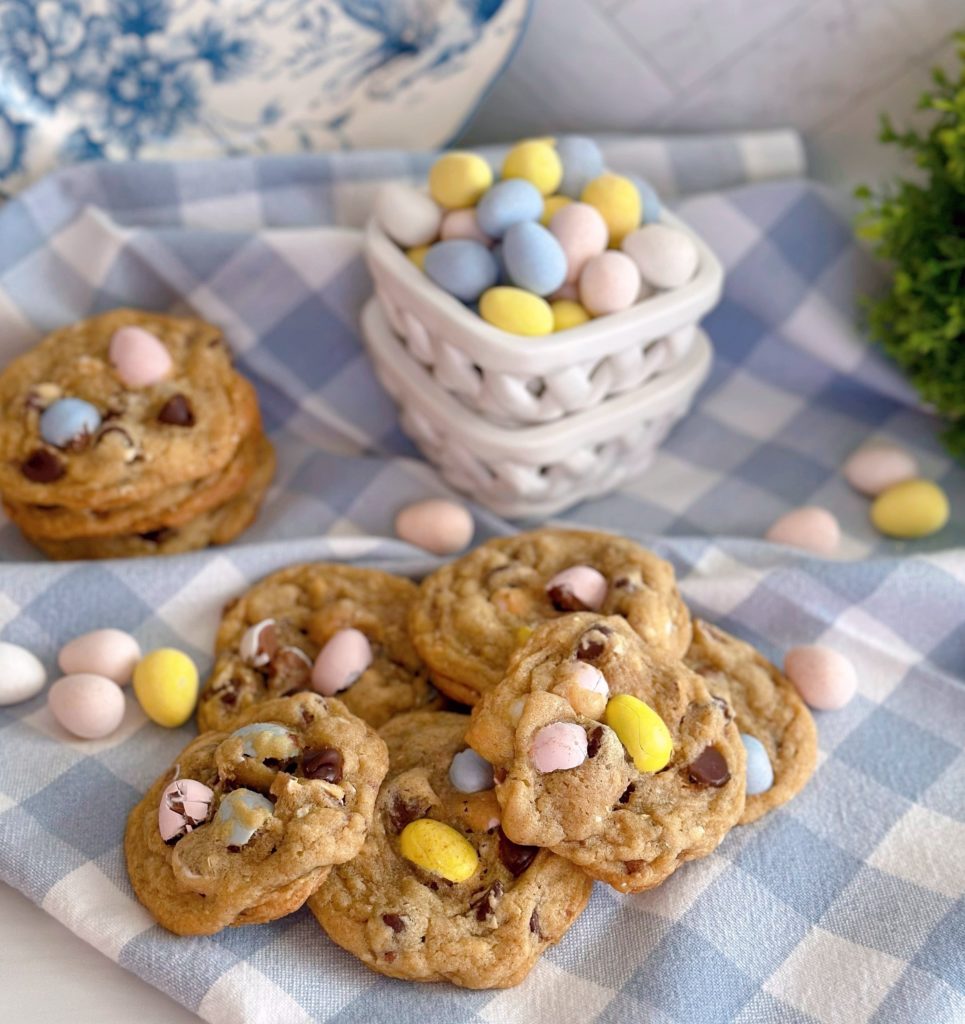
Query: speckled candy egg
x=810 y=528
x=618 y=201
x=69 y=423
x=409 y=217
x=582 y=162
x=508 y=203
x=462 y=268
x=825 y=679
x=609 y=283
x=457 y=180
x=138 y=357
x=760 y=771
x=666 y=257
x=516 y=311
x=86 y=705
x=582 y=234
x=874 y=468
x=184 y=805
x=341 y=661
x=436 y=525
x=22 y=674
x=535 y=161
x=534 y=258
x=463 y=224
x=104 y=652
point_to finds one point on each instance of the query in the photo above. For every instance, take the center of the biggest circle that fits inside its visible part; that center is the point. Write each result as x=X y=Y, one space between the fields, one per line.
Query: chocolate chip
x=390 y=957
x=176 y=412
x=564 y=600
x=627 y=793
x=516 y=858
x=403 y=812
x=325 y=764
x=394 y=921
x=633 y=866
x=594 y=741
x=534 y=924
x=234 y=849
x=275 y=764
x=42 y=467
x=228 y=695
x=592 y=644
x=157 y=536
x=485 y=903
x=709 y=768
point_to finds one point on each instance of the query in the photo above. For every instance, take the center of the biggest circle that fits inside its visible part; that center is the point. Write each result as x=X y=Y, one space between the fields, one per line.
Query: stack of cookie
x=130 y=434
x=607 y=739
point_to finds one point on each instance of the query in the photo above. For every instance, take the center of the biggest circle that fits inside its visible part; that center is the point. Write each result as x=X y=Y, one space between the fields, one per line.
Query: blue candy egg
x=508 y=203
x=760 y=772
x=461 y=267
x=534 y=258
x=238 y=808
x=649 y=200
x=582 y=162
x=497 y=251
x=68 y=421
x=469 y=773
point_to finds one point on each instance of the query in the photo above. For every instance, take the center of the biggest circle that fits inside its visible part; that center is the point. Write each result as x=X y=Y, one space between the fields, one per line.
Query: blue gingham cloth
x=843 y=907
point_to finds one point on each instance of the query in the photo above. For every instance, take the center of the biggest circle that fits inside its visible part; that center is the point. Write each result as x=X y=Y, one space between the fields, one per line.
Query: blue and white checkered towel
x=846 y=906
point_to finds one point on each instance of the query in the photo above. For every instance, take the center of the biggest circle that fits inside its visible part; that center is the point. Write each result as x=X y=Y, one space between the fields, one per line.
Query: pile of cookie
x=127 y=434
x=607 y=739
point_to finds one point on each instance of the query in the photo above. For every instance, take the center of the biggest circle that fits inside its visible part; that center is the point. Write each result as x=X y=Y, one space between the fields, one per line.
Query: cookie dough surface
x=766 y=705
x=319 y=768
x=307 y=605
x=406 y=922
x=628 y=827
x=472 y=613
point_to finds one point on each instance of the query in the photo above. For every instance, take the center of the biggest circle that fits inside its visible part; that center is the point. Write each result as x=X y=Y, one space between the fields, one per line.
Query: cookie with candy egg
x=612 y=755
x=246 y=825
x=471 y=614
x=438 y=892
x=336 y=629
x=777 y=727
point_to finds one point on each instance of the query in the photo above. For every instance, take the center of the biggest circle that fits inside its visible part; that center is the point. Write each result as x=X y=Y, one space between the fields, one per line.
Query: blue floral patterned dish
x=117 y=79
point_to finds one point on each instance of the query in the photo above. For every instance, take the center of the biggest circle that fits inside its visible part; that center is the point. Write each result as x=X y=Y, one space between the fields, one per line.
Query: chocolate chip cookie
x=245 y=826
x=474 y=612
x=270 y=638
x=609 y=753
x=404 y=917
x=766 y=706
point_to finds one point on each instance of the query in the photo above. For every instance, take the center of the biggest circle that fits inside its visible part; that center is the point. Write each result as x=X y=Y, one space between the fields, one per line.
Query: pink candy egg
x=580 y=588
x=341 y=661
x=825 y=679
x=810 y=528
x=609 y=283
x=89 y=706
x=463 y=224
x=582 y=234
x=139 y=357
x=874 y=468
x=185 y=804
x=436 y=525
x=558 y=746
x=589 y=677
x=103 y=652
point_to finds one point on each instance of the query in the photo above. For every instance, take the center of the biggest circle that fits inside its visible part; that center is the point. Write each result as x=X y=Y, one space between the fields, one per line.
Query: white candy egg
x=875 y=468
x=440 y=526
x=103 y=652
x=665 y=256
x=409 y=217
x=810 y=528
x=22 y=676
x=89 y=706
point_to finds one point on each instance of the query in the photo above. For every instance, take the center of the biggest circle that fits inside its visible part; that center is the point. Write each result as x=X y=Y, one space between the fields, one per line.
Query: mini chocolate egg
x=551 y=206
x=185 y=804
x=582 y=162
x=103 y=652
x=267 y=740
x=609 y=283
x=457 y=180
x=618 y=202
x=581 y=588
x=138 y=357
x=166 y=686
x=469 y=773
x=437 y=525
x=86 y=705
x=760 y=771
x=341 y=661
x=536 y=161
x=516 y=311
x=666 y=257
x=583 y=234
x=911 y=509
x=409 y=217
x=534 y=258
x=69 y=423
x=876 y=467
x=586 y=688
x=810 y=528
x=245 y=811
x=462 y=268
x=558 y=747
x=567 y=314
x=508 y=203
x=825 y=679
x=22 y=674
x=259 y=643
x=650 y=204
x=463 y=224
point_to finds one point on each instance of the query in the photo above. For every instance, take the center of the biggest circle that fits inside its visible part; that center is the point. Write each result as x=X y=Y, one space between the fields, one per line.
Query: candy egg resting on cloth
x=272 y=832
x=22 y=674
x=633 y=810
x=105 y=652
x=402 y=918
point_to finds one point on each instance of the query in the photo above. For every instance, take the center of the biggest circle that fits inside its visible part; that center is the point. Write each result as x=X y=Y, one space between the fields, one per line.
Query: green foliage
x=920 y=229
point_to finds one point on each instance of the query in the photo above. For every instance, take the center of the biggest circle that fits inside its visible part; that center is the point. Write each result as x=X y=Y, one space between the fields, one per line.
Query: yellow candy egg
x=913 y=508
x=457 y=180
x=641 y=730
x=418 y=255
x=537 y=162
x=440 y=849
x=617 y=200
x=550 y=205
x=166 y=686
x=516 y=311
x=567 y=314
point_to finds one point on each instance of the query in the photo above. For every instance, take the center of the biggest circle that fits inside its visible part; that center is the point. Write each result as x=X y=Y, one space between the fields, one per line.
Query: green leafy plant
x=919 y=226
